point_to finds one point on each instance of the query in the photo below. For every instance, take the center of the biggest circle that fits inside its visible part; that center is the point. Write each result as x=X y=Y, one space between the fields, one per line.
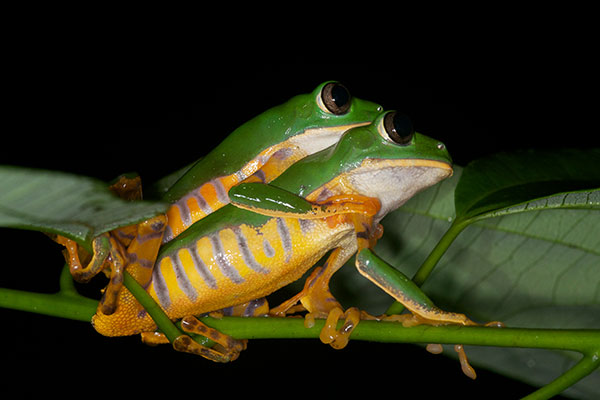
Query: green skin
x=274 y=126
x=285 y=194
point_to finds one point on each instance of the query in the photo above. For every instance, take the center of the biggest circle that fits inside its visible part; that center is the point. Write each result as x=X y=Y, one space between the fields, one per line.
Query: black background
x=101 y=118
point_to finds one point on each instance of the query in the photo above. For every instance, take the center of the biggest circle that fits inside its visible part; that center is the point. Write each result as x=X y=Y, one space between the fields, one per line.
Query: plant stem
x=434 y=257
x=158 y=315
x=583 y=368
x=65 y=305
x=68 y=304
x=439 y=250
x=393 y=332
x=74 y=306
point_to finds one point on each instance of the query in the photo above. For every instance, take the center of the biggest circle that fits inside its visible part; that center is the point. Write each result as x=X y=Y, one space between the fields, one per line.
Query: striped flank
x=198 y=204
x=231 y=266
x=227 y=268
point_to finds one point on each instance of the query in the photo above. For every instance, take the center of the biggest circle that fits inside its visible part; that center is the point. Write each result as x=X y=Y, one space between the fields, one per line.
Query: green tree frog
x=270 y=235
x=259 y=150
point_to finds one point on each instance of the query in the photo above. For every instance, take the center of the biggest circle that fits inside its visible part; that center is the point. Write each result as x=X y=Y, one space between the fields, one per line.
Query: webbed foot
x=226 y=348
x=338 y=338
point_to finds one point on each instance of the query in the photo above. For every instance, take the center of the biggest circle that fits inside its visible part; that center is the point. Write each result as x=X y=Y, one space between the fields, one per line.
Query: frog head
x=386 y=160
x=303 y=125
x=307 y=123
x=397 y=162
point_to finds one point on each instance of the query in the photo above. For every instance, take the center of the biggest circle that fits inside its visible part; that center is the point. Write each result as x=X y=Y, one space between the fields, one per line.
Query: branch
x=68 y=304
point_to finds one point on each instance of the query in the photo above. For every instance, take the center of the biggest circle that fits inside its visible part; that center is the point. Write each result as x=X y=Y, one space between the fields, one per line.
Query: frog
x=259 y=150
x=330 y=202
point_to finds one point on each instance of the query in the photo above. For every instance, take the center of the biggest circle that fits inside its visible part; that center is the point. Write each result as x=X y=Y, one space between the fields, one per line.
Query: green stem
x=68 y=304
x=579 y=340
x=65 y=305
x=439 y=250
x=434 y=257
x=158 y=315
x=77 y=307
x=583 y=368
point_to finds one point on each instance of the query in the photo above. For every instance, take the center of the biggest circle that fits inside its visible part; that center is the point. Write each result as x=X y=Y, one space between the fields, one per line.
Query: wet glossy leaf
x=74 y=206
x=535 y=264
x=526 y=180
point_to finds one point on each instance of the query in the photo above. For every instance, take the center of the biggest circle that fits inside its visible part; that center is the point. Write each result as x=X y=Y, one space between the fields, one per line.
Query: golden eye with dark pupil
x=336 y=98
x=399 y=128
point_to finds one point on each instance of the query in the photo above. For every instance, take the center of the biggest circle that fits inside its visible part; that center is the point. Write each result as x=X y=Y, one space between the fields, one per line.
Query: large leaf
x=74 y=206
x=510 y=182
x=538 y=269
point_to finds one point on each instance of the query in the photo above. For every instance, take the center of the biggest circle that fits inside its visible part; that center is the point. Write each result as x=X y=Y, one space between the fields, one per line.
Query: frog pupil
x=399 y=128
x=340 y=95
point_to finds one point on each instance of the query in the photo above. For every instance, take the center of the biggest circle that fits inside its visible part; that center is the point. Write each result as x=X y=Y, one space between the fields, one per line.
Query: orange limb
x=143 y=249
x=117 y=264
x=317 y=299
x=78 y=271
x=141 y=240
x=348 y=204
x=462 y=358
x=127 y=188
x=226 y=348
x=277 y=163
x=464 y=362
x=338 y=338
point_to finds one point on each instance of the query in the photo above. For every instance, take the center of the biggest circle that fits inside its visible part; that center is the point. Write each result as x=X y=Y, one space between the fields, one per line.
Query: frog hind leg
x=225 y=349
x=107 y=255
x=101 y=249
x=143 y=249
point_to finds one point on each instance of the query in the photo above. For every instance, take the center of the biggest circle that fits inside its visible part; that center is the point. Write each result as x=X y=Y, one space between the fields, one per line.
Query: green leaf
x=77 y=207
x=526 y=180
x=535 y=265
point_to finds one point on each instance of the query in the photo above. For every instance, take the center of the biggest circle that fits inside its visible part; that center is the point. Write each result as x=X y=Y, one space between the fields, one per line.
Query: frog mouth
x=394 y=182
x=378 y=163
x=313 y=140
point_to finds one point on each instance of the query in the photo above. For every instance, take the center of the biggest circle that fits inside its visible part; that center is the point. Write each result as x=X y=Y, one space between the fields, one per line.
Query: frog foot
x=467 y=369
x=330 y=334
x=226 y=348
x=409 y=320
x=107 y=256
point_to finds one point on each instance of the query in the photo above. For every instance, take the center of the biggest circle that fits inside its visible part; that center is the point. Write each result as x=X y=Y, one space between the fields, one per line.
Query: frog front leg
x=423 y=310
x=273 y=201
x=405 y=291
x=338 y=209
x=317 y=299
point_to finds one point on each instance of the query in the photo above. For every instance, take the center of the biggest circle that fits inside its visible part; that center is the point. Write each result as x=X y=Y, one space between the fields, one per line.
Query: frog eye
x=335 y=98
x=399 y=128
